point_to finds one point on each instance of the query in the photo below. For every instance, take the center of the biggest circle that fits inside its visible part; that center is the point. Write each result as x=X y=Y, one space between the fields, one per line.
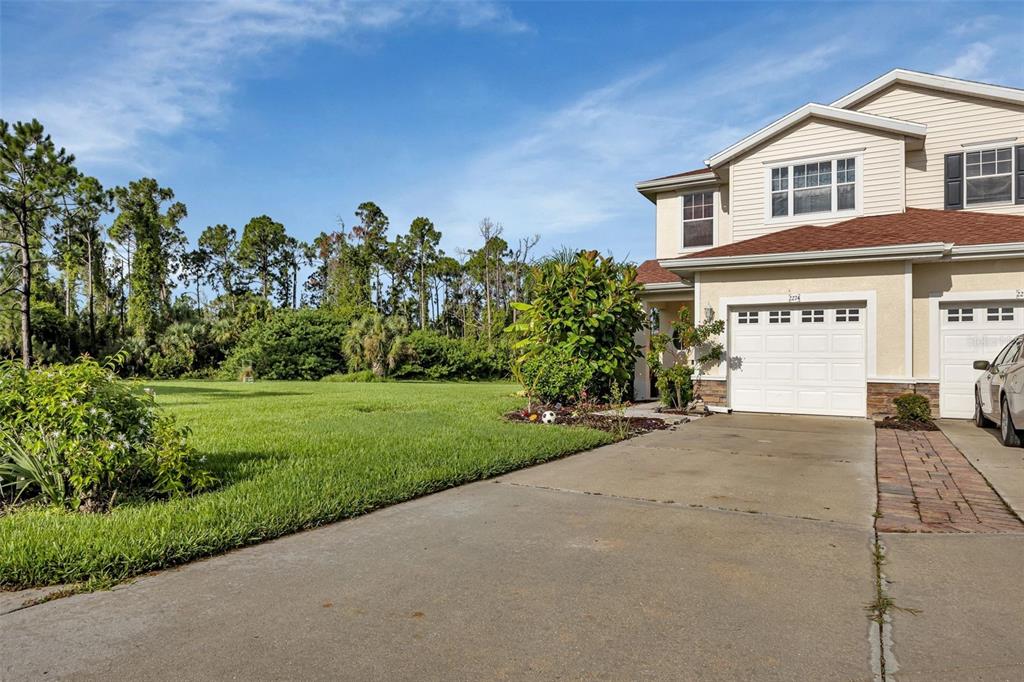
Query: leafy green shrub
x=376 y=343
x=590 y=306
x=913 y=407
x=690 y=346
x=101 y=434
x=675 y=385
x=290 y=344
x=361 y=377
x=438 y=357
x=554 y=375
x=189 y=348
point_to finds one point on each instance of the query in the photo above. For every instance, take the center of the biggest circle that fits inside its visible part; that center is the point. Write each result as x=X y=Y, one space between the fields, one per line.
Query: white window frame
x=715 y=204
x=800 y=218
x=984 y=147
x=999 y=313
x=959 y=314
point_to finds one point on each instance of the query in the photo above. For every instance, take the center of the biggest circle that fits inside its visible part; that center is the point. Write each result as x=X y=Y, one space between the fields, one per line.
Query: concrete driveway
x=735 y=547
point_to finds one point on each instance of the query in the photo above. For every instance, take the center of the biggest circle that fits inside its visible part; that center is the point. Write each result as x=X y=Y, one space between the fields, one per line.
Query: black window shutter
x=954 y=181
x=1018 y=182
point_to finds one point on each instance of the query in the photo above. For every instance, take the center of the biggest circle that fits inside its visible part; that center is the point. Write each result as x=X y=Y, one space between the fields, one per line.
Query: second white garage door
x=799 y=360
x=969 y=332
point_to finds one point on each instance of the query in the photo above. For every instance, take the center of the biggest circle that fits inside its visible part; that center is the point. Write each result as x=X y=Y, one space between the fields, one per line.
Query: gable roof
x=916 y=226
x=823 y=111
x=931 y=81
x=650 y=188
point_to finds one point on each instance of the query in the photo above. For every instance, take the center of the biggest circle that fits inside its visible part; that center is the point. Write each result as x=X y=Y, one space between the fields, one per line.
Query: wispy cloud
x=973 y=63
x=572 y=171
x=172 y=66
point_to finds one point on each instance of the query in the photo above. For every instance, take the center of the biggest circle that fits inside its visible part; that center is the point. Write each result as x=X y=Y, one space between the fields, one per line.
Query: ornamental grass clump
x=77 y=436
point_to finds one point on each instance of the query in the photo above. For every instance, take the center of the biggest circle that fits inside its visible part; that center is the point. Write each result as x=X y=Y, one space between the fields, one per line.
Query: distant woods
x=85 y=269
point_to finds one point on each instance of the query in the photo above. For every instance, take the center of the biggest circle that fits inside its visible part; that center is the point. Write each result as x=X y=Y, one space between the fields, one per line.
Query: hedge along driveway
x=289 y=455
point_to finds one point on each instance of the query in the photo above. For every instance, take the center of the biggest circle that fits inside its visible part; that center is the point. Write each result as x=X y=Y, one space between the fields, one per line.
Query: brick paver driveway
x=737 y=547
x=925 y=484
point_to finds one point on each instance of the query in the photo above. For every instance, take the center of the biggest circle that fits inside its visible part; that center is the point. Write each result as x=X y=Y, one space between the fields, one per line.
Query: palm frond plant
x=28 y=474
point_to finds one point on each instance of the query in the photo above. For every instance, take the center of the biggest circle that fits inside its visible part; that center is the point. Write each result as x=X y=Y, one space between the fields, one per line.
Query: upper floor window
x=818 y=187
x=698 y=219
x=989 y=175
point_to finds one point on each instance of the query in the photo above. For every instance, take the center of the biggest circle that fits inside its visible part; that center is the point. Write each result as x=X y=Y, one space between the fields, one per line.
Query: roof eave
x=652 y=188
x=658 y=287
x=925 y=251
x=933 y=82
x=987 y=251
x=907 y=128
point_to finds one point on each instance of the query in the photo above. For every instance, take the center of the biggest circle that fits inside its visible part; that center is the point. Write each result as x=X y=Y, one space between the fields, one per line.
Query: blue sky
x=540 y=116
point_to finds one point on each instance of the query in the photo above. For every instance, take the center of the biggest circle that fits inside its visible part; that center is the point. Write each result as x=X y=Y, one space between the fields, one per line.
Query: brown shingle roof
x=695 y=171
x=651 y=272
x=916 y=226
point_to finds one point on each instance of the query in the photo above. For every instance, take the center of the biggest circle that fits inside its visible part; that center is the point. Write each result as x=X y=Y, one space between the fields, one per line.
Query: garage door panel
x=962 y=341
x=849 y=400
x=780 y=344
x=843 y=372
x=749 y=344
x=817 y=366
x=812 y=343
x=812 y=371
x=812 y=400
x=779 y=400
x=779 y=371
x=848 y=343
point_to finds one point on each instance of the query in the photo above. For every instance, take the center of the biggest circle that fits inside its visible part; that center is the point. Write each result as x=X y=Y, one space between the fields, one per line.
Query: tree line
x=86 y=269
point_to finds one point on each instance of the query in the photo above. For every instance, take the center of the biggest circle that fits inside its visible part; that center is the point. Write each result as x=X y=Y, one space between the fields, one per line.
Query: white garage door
x=801 y=360
x=968 y=332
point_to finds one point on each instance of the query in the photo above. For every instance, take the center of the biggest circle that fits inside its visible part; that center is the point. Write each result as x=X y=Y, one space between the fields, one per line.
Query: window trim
x=715 y=205
x=963 y=314
x=800 y=218
x=984 y=147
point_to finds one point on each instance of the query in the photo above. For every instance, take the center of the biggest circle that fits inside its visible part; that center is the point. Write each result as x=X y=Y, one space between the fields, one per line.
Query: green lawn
x=289 y=455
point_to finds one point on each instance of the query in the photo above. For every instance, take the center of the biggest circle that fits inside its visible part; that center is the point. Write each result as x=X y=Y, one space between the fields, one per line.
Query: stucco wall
x=953 y=121
x=669 y=232
x=887 y=280
x=955 y=277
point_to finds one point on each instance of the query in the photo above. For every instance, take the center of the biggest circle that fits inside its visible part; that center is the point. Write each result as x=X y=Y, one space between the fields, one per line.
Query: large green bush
x=438 y=357
x=291 y=344
x=80 y=436
x=554 y=375
x=589 y=307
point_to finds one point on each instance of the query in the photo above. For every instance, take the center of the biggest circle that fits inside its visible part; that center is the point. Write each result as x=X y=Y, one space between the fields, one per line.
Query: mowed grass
x=289 y=456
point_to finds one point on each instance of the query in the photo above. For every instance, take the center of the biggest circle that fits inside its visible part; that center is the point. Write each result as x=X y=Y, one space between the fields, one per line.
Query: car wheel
x=980 y=420
x=1008 y=434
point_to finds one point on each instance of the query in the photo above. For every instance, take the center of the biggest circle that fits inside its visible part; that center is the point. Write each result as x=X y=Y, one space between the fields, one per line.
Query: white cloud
x=172 y=67
x=972 y=63
x=572 y=171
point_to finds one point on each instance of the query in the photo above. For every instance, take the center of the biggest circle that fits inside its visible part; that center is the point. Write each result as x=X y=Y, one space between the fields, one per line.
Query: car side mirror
x=981 y=364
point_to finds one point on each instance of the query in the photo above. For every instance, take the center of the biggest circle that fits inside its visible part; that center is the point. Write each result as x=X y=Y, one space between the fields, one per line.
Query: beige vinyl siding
x=952 y=120
x=881 y=173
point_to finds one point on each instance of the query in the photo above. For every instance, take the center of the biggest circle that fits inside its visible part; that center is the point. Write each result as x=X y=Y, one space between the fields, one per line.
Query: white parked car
x=999 y=393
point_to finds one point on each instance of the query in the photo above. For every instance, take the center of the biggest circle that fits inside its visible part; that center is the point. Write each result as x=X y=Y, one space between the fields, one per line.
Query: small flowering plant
x=109 y=437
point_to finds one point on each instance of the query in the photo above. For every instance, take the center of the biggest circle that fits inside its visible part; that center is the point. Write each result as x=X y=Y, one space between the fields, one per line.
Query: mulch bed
x=566 y=416
x=905 y=425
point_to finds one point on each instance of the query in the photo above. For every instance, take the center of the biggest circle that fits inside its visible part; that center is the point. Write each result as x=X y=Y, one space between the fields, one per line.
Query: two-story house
x=856 y=250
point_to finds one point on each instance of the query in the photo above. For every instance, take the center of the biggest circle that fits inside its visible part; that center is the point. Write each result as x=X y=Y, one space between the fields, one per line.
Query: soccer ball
x=548 y=417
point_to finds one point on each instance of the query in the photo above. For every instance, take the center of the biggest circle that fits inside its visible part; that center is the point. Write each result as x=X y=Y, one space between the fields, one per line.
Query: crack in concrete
x=682 y=505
